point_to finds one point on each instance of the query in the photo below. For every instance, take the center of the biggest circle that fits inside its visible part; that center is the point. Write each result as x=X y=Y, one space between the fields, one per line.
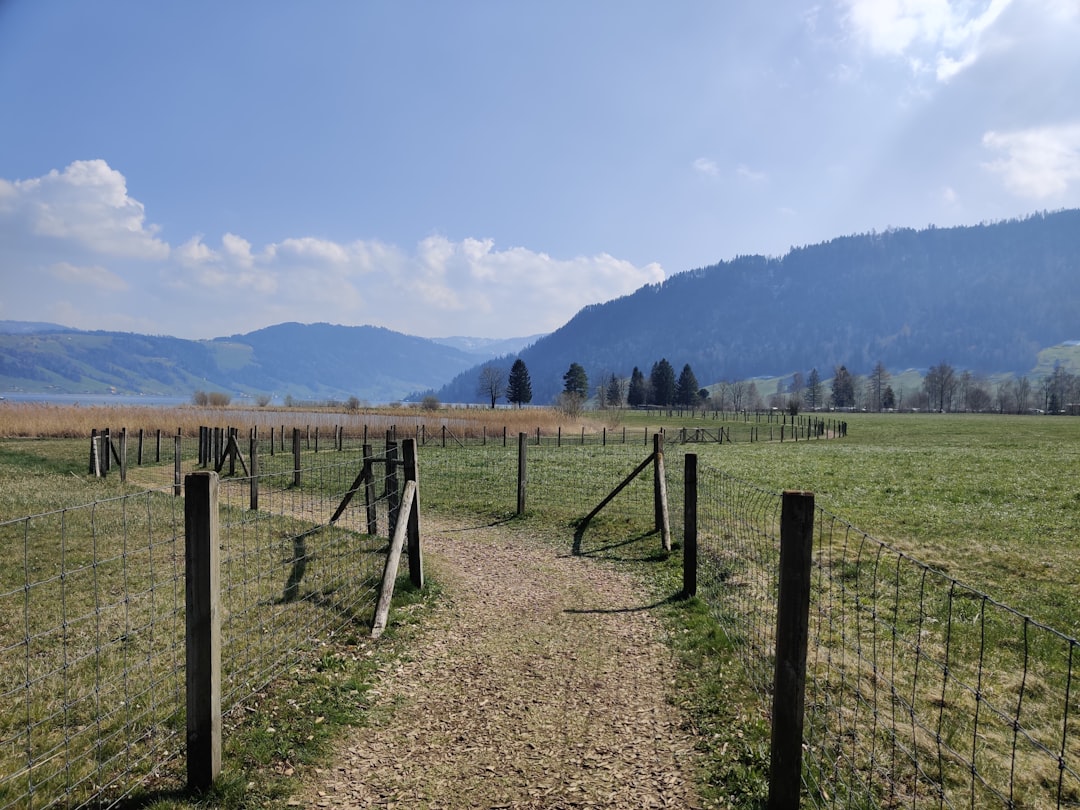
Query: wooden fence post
x=690 y=516
x=660 y=505
x=296 y=456
x=412 y=473
x=177 y=479
x=523 y=474
x=368 y=475
x=792 y=632
x=157 y=447
x=393 y=497
x=123 y=454
x=95 y=454
x=138 y=452
x=203 y=630
x=253 y=468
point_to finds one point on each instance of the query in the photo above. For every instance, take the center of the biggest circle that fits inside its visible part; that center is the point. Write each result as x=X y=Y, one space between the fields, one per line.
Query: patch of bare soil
x=539 y=681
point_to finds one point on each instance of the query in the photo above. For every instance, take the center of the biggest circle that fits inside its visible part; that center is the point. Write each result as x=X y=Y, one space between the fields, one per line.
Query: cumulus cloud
x=87 y=203
x=82 y=229
x=1038 y=163
x=940 y=36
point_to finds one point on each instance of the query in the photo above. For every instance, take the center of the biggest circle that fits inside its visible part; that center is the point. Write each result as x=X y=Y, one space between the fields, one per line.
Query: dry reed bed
x=44 y=420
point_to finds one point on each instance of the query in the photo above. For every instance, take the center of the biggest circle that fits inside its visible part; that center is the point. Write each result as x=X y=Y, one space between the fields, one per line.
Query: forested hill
x=983 y=298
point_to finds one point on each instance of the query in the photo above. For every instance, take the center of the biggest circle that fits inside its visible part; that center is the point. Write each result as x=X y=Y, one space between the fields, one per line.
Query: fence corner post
x=203 y=629
x=792 y=632
x=690 y=529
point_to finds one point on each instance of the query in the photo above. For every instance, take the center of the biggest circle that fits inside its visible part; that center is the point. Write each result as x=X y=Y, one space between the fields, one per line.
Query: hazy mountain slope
x=985 y=298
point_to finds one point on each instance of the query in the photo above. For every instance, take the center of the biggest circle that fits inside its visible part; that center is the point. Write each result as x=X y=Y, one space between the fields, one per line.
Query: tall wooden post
x=660 y=504
x=690 y=529
x=792 y=633
x=176 y=460
x=296 y=456
x=369 y=491
x=203 y=629
x=253 y=468
x=523 y=474
x=412 y=473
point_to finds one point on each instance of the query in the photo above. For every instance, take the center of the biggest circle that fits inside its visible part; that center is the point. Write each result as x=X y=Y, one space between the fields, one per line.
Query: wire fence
x=92 y=619
x=920 y=691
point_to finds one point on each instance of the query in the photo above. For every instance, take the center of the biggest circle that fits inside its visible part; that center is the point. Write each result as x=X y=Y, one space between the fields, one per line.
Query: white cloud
x=82 y=229
x=706 y=166
x=1039 y=162
x=942 y=36
x=750 y=175
x=86 y=204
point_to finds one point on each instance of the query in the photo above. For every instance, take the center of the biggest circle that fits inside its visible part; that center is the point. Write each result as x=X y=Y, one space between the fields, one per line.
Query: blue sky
x=488 y=168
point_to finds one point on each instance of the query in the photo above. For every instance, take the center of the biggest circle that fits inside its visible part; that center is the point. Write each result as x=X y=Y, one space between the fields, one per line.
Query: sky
x=487 y=168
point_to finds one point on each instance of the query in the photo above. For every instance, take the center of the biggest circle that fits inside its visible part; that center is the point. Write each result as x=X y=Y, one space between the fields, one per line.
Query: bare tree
x=940 y=385
x=1022 y=394
x=492 y=383
x=879 y=379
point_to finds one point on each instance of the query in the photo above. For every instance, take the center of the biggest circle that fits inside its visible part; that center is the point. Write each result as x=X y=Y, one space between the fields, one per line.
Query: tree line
x=944 y=389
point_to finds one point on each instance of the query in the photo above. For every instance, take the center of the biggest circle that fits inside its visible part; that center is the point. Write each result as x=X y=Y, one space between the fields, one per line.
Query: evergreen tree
x=843 y=388
x=614 y=392
x=636 y=393
x=686 y=389
x=519 y=386
x=662 y=380
x=812 y=394
x=575 y=381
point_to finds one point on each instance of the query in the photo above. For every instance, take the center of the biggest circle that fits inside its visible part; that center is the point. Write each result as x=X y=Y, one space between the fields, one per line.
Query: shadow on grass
x=675 y=598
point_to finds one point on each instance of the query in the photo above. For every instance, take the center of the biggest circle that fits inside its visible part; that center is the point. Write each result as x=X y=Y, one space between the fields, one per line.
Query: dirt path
x=538 y=682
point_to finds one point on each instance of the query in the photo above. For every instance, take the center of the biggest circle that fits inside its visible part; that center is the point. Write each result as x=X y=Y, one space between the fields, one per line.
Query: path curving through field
x=539 y=681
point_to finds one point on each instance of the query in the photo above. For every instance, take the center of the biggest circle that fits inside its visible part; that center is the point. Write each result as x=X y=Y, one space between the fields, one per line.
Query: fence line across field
x=918 y=691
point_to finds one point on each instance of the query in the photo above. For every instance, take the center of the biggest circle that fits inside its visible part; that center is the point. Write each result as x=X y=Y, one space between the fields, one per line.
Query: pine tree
x=662 y=379
x=575 y=381
x=686 y=389
x=519 y=386
x=636 y=393
x=614 y=392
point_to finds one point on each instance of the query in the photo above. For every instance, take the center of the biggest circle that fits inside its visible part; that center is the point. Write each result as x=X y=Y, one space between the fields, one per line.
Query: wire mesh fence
x=92 y=618
x=919 y=692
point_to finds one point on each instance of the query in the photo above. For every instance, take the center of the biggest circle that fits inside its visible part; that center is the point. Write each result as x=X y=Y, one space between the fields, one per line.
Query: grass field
x=992 y=501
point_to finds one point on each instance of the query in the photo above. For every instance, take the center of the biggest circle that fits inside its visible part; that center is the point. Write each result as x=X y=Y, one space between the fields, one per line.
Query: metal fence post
x=203 y=631
x=792 y=631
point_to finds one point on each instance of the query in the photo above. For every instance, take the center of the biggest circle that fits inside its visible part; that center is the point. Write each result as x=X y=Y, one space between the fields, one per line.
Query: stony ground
x=538 y=682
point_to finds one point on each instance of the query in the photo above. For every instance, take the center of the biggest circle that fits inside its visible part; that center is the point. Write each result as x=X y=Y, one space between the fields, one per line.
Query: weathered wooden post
x=660 y=505
x=95 y=454
x=393 y=496
x=523 y=474
x=123 y=454
x=157 y=447
x=368 y=475
x=203 y=629
x=253 y=468
x=412 y=474
x=690 y=516
x=138 y=451
x=177 y=479
x=792 y=633
x=296 y=456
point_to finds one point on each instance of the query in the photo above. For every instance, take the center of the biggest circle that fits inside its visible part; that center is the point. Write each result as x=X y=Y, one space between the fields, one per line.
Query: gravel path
x=537 y=682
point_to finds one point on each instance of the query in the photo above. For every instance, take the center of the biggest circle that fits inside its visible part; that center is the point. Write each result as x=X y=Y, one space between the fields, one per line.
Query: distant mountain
x=489 y=347
x=983 y=298
x=316 y=361
x=30 y=327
